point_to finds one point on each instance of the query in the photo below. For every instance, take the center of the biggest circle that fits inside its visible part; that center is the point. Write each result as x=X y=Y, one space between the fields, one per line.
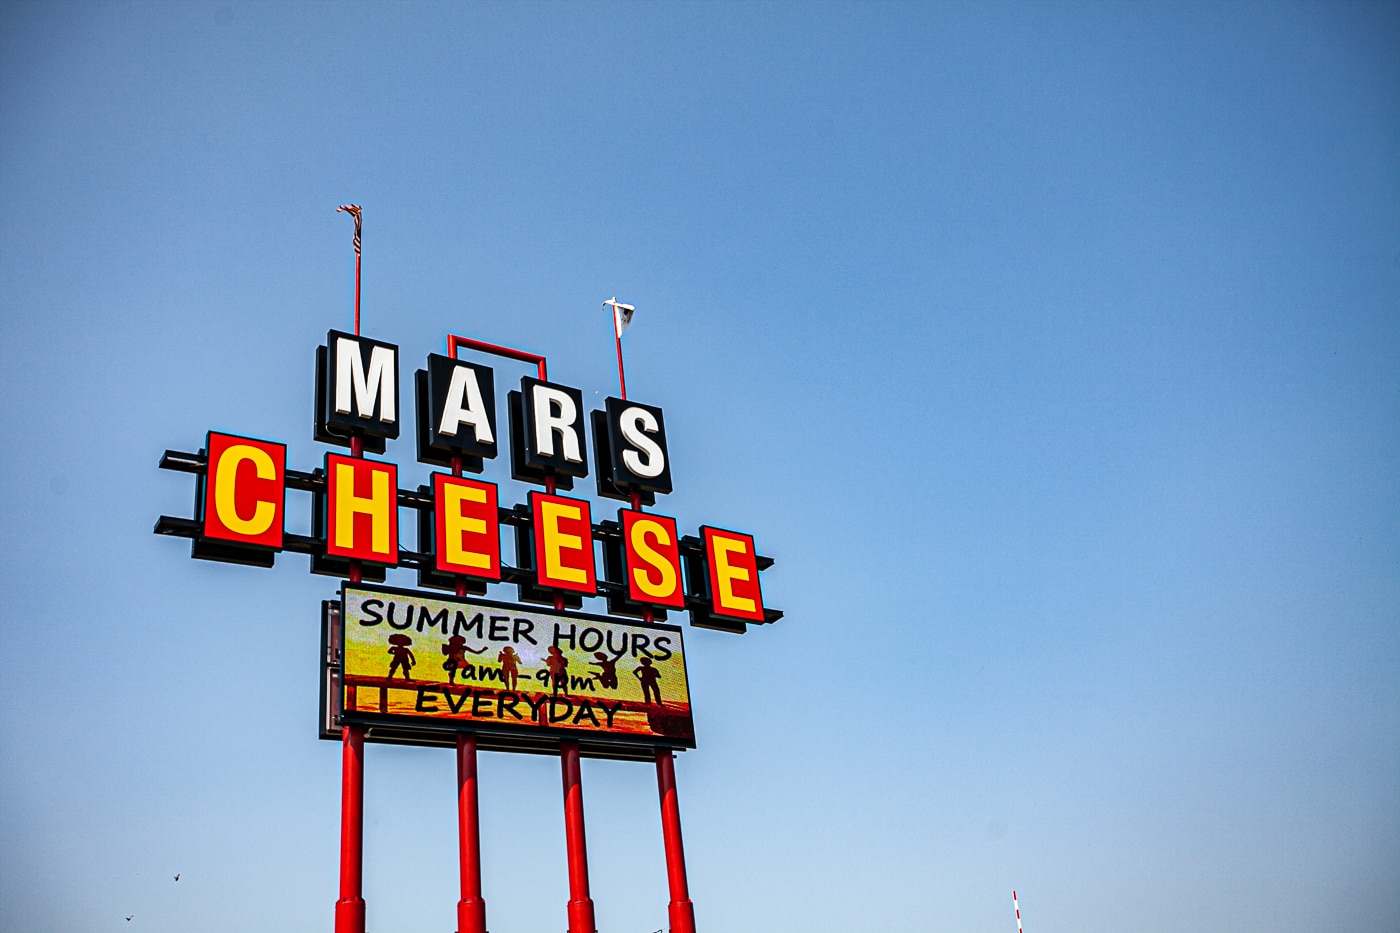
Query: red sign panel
x=362 y=512
x=244 y=490
x=467 y=527
x=563 y=543
x=734 y=589
x=653 y=559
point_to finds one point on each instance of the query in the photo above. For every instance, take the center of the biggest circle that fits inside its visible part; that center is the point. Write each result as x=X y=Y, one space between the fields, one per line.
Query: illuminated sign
x=395 y=669
x=362 y=513
x=438 y=663
x=244 y=490
x=648 y=566
x=456 y=413
x=733 y=567
x=653 y=559
x=467 y=527
x=563 y=536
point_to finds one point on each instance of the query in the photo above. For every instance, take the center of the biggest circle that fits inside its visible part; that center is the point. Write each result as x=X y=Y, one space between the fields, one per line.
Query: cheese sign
x=443 y=663
x=648 y=565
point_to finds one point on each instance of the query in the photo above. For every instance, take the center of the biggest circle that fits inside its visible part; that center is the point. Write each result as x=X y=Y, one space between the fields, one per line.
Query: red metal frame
x=524 y=356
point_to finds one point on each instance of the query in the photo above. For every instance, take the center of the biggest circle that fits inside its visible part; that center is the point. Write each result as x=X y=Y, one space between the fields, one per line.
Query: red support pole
x=471 y=909
x=681 y=911
x=350 y=909
x=580 y=904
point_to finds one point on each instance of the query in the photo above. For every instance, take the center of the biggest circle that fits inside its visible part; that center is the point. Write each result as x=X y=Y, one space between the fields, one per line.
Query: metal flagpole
x=354 y=211
x=619 y=325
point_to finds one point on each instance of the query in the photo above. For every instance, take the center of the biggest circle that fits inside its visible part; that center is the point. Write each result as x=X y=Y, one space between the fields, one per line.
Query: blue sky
x=1052 y=350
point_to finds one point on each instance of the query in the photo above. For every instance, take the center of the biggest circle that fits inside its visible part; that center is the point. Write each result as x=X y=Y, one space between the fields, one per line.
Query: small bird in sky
x=177 y=876
x=128 y=919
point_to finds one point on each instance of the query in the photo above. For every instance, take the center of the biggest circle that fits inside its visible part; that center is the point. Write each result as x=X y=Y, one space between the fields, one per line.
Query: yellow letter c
x=226 y=485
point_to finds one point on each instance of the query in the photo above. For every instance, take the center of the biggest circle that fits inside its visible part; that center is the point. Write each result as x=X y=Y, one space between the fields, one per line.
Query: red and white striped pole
x=1015 y=903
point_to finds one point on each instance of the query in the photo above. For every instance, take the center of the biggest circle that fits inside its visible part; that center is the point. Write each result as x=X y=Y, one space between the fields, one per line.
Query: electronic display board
x=412 y=664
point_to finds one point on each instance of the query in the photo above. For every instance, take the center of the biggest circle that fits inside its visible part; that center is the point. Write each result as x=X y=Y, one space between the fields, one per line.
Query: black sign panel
x=637 y=455
x=457 y=411
x=357 y=388
x=554 y=436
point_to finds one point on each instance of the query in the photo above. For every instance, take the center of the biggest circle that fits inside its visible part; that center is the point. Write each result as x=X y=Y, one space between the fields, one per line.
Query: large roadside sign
x=441 y=665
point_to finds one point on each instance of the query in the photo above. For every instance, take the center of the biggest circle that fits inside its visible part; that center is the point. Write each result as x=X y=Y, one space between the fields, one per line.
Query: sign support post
x=350 y=909
x=471 y=909
x=580 y=903
x=680 y=910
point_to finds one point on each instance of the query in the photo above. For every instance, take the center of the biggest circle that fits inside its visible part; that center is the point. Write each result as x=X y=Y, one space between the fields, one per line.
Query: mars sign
x=440 y=663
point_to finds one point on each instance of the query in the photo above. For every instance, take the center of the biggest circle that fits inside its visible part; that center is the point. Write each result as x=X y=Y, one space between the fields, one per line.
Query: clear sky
x=1052 y=349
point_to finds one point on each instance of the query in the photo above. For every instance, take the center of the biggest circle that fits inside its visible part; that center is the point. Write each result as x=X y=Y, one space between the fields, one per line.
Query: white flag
x=622 y=315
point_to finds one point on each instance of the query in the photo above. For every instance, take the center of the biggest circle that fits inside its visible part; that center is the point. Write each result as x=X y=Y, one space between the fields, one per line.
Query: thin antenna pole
x=1015 y=903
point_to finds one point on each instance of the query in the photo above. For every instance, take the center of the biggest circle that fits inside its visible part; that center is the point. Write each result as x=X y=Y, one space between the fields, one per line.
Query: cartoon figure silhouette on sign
x=455 y=649
x=402 y=657
x=648 y=676
x=510 y=669
x=558 y=668
x=607 y=674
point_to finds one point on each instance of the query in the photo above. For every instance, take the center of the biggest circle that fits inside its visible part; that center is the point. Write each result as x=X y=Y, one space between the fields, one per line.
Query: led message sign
x=427 y=662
